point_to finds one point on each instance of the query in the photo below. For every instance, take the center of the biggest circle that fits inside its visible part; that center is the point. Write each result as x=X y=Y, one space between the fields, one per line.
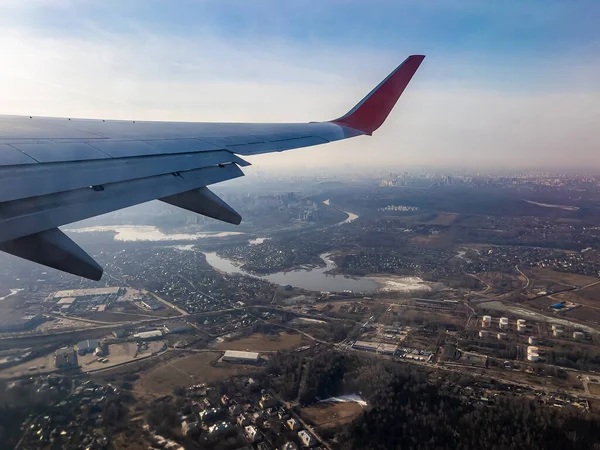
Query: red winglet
x=370 y=113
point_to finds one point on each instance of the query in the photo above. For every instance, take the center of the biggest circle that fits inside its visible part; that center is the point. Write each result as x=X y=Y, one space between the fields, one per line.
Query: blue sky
x=494 y=71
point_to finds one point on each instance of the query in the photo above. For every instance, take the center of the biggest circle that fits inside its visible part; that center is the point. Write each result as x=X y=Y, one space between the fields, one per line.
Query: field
x=588 y=311
x=584 y=314
x=569 y=279
x=588 y=296
x=110 y=316
x=117 y=354
x=329 y=415
x=181 y=369
x=500 y=282
x=594 y=388
x=63 y=324
x=264 y=342
x=444 y=218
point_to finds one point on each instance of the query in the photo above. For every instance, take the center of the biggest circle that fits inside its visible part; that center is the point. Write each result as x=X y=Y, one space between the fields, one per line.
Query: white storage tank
x=503 y=323
x=532 y=340
x=533 y=349
x=486 y=321
x=578 y=335
x=502 y=336
x=558 y=332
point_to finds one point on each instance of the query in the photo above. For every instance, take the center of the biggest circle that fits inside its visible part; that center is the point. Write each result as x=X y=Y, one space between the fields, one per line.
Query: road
x=524 y=276
x=168 y=304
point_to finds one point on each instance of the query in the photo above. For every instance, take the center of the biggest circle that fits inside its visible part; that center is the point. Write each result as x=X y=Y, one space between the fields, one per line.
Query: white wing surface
x=54 y=171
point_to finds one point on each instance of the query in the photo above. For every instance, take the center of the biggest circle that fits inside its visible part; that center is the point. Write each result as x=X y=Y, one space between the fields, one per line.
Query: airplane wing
x=54 y=171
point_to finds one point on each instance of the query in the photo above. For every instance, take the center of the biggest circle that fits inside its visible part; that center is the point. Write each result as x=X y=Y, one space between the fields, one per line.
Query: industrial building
x=64 y=304
x=533 y=354
x=234 y=356
x=149 y=335
x=120 y=333
x=377 y=347
x=87 y=346
x=177 y=328
x=88 y=292
x=65 y=358
x=152 y=304
x=14 y=322
x=438 y=304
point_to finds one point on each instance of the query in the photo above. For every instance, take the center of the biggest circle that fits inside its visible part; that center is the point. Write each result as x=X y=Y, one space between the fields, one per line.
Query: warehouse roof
x=148 y=334
x=87 y=344
x=235 y=354
x=86 y=292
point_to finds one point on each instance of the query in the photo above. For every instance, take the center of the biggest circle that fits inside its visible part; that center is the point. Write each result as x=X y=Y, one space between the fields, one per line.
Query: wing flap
x=204 y=201
x=32 y=215
x=54 y=249
x=41 y=179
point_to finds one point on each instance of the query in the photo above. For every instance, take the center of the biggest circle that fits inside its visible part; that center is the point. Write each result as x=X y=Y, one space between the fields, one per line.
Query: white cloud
x=147 y=76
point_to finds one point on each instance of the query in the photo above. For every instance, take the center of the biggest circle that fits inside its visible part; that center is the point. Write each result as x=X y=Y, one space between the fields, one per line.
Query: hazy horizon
x=503 y=87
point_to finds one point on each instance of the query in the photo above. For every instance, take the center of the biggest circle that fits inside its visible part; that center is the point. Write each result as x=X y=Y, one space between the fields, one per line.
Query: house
x=242 y=420
x=190 y=428
x=252 y=433
x=220 y=429
x=267 y=401
x=289 y=446
x=306 y=438
x=210 y=415
x=293 y=424
x=234 y=410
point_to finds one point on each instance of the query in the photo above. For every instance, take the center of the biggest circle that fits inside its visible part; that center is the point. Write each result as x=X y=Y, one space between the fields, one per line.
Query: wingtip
x=370 y=113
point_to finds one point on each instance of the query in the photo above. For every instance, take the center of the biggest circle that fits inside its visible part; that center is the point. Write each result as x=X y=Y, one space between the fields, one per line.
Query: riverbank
x=320 y=279
x=132 y=233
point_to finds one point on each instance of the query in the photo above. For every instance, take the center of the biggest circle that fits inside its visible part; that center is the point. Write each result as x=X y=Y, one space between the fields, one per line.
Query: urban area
x=429 y=310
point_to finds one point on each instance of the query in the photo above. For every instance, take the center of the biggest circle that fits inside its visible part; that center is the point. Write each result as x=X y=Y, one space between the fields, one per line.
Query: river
x=12 y=292
x=351 y=216
x=314 y=279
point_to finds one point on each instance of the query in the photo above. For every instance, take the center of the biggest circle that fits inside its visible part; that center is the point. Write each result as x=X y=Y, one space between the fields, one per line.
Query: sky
x=506 y=84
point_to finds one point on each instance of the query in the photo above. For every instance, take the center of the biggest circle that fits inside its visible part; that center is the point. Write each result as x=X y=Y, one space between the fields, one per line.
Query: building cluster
x=74 y=301
x=76 y=417
x=194 y=287
x=17 y=321
x=251 y=415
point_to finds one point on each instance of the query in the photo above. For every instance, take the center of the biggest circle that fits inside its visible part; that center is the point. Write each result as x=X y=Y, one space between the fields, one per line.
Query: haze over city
x=509 y=86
